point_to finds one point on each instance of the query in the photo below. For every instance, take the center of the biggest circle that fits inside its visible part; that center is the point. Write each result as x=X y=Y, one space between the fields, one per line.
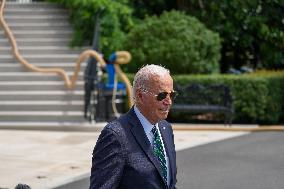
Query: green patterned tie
x=159 y=151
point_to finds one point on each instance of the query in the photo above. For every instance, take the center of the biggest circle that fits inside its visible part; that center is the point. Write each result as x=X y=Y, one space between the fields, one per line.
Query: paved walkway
x=253 y=161
x=47 y=159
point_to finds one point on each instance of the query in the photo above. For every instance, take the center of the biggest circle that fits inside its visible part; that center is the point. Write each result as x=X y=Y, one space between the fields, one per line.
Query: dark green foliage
x=252 y=30
x=115 y=20
x=143 y=8
x=179 y=42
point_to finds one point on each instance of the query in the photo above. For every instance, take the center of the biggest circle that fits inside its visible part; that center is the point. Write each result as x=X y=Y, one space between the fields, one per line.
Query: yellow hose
x=70 y=84
x=124 y=57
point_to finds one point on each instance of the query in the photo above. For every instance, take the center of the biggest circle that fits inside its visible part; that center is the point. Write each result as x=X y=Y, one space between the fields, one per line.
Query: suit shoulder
x=116 y=126
x=165 y=122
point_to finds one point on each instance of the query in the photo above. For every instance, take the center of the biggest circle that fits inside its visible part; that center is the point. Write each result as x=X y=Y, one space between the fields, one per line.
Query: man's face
x=147 y=102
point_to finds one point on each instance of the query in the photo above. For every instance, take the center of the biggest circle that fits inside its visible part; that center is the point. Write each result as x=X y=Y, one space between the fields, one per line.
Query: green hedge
x=258 y=98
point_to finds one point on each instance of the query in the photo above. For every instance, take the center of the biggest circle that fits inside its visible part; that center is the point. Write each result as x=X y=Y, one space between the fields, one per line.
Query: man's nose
x=167 y=100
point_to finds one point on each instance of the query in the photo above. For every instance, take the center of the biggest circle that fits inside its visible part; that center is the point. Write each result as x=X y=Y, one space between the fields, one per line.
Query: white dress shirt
x=147 y=126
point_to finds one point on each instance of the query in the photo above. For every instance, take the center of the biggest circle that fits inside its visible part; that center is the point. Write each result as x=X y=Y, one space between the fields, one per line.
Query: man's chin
x=164 y=115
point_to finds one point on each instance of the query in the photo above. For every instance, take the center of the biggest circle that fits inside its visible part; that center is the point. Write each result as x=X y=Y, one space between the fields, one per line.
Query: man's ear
x=138 y=96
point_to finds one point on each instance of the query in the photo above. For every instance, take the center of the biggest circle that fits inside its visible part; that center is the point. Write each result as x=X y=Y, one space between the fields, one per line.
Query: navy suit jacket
x=123 y=157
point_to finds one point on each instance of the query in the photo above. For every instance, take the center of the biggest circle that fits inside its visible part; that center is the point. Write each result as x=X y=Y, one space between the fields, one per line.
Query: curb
x=97 y=127
x=232 y=128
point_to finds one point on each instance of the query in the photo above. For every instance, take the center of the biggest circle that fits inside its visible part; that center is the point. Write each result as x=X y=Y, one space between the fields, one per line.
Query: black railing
x=93 y=96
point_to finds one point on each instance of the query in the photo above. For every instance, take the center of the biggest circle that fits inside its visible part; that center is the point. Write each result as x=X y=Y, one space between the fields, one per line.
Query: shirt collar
x=147 y=126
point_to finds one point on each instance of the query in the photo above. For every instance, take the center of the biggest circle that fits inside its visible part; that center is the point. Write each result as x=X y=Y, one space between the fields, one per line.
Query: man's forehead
x=160 y=77
x=161 y=83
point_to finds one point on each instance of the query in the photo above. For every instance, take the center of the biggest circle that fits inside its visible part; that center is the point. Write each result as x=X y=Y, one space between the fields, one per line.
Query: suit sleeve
x=174 y=152
x=175 y=172
x=107 y=162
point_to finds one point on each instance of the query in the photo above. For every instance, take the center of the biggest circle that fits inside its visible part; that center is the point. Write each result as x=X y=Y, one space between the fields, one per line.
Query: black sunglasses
x=162 y=95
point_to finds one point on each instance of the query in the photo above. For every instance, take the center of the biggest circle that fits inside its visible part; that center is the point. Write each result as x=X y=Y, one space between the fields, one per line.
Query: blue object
x=112 y=58
x=111 y=75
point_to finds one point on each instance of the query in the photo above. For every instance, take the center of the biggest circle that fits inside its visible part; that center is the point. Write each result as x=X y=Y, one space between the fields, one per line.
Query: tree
x=252 y=30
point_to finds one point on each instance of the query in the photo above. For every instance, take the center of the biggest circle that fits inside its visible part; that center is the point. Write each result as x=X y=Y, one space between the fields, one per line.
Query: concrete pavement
x=252 y=161
x=48 y=159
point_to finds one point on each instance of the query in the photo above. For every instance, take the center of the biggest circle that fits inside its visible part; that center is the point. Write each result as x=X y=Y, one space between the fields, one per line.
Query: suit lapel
x=164 y=130
x=139 y=134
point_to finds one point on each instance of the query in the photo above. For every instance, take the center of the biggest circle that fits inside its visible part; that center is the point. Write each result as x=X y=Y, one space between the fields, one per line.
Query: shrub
x=258 y=97
x=175 y=40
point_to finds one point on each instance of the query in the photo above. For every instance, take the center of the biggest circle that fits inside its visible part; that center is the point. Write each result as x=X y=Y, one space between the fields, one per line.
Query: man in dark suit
x=137 y=151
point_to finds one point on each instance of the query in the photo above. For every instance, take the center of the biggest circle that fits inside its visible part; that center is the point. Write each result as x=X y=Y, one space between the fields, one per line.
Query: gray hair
x=142 y=77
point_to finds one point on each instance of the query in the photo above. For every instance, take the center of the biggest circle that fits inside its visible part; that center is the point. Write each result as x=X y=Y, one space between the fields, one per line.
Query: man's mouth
x=164 y=109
